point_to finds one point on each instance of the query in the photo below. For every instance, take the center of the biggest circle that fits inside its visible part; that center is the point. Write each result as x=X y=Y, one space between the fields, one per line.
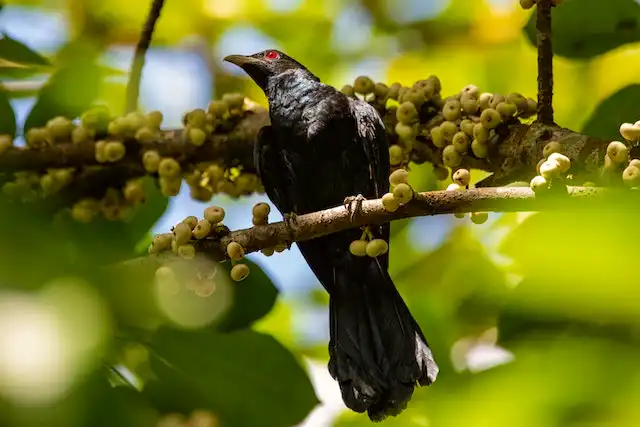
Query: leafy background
x=533 y=317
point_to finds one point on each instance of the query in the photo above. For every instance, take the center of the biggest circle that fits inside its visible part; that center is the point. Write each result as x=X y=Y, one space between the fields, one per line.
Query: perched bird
x=321 y=149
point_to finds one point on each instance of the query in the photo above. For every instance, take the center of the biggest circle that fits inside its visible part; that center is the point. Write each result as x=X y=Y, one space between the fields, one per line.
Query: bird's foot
x=291 y=223
x=349 y=203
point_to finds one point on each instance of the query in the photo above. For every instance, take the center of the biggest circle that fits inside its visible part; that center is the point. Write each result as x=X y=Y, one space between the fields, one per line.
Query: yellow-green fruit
x=214 y=214
x=202 y=229
x=363 y=85
x=471 y=91
x=170 y=186
x=6 y=142
x=133 y=121
x=390 y=203
x=154 y=119
x=550 y=169
x=635 y=162
x=609 y=165
x=407 y=113
x=448 y=129
x=417 y=96
x=495 y=100
x=403 y=193
x=527 y=4
x=247 y=182
x=197 y=136
x=459 y=215
x=435 y=82
x=160 y=242
x=37 y=138
x=60 y=128
x=396 y=155
x=218 y=109
x=261 y=210
x=133 y=192
x=358 y=248
x=469 y=104
x=197 y=118
x=169 y=168
x=99 y=151
x=451 y=157
x=462 y=177
x=348 y=90
x=117 y=126
x=441 y=173
x=215 y=172
x=480 y=133
x=400 y=176
x=563 y=161
x=551 y=147
x=394 y=91
x=540 y=162
x=151 y=161
x=377 y=247
x=506 y=109
x=479 y=217
x=461 y=142
x=259 y=220
x=455 y=187
x=451 y=110
x=539 y=184
x=618 y=152
x=145 y=135
x=187 y=251
x=467 y=126
x=96 y=118
x=114 y=151
x=405 y=131
x=631 y=176
x=381 y=90
x=437 y=137
x=235 y=251
x=181 y=233
x=267 y=251
x=479 y=149
x=629 y=131
x=239 y=272
x=82 y=214
x=80 y=135
x=484 y=100
x=518 y=100
x=490 y=118
x=532 y=107
x=191 y=221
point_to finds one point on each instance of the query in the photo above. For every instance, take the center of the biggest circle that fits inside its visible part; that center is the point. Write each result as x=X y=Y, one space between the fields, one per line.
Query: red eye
x=272 y=54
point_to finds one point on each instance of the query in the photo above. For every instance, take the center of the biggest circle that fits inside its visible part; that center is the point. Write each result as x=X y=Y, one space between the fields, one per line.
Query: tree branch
x=317 y=224
x=133 y=86
x=545 y=62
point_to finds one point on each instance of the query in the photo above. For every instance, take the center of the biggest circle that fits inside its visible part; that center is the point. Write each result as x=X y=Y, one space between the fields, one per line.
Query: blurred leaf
x=253 y=298
x=7 y=116
x=13 y=51
x=71 y=89
x=586 y=28
x=621 y=107
x=245 y=377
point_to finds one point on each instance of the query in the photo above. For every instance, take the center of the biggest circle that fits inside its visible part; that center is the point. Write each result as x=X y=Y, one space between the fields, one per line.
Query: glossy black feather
x=320 y=148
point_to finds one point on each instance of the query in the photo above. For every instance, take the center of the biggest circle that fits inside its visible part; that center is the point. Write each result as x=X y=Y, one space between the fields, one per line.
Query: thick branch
x=317 y=224
x=545 y=62
x=133 y=87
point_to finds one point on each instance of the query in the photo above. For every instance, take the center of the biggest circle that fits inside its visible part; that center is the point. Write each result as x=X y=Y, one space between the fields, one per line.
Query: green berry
x=631 y=176
x=381 y=90
x=169 y=168
x=469 y=104
x=490 y=118
x=506 y=109
x=403 y=193
x=197 y=136
x=461 y=142
x=441 y=173
x=451 y=110
x=348 y=91
x=551 y=147
x=358 y=248
x=197 y=119
x=151 y=161
x=202 y=229
x=437 y=137
x=363 y=85
x=235 y=251
x=181 y=233
x=550 y=169
x=495 y=100
x=635 y=162
x=153 y=120
x=145 y=135
x=377 y=247
x=462 y=177
x=399 y=176
x=160 y=243
x=37 y=138
x=407 y=113
x=416 y=96
x=405 y=131
x=539 y=184
x=60 y=128
x=81 y=135
x=532 y=107
x=480 y=133
x=527 y=4
x=467 y=126
x=563 y=161
x=239 y=272
x=170 y=186
x=218 y=109
x=396 y=155
x=479 y=149
x=618 y=152
x=114 y=151
x=390 y=203
x=451 y=157
x=214 y=214
x=518 y=100
x=449 y=129
x=470 y=91
x=479 y=217
x=133 y=192
x=191 y=221
x=394 y=91
x=484 y=100
x=455 y=187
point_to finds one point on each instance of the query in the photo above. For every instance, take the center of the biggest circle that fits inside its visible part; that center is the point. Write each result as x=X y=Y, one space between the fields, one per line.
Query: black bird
x=321 y=148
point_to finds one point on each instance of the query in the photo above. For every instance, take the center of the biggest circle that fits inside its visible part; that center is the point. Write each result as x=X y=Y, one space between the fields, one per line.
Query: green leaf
x=253 y=298
x=7 y=116
x=587 y=28
x=71 y=89
x=246 y=378
x=621 y=107
x=14 y=51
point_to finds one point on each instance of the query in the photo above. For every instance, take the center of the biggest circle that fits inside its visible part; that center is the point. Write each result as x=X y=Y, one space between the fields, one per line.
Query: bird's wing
x=373 y=137
x=271 y=169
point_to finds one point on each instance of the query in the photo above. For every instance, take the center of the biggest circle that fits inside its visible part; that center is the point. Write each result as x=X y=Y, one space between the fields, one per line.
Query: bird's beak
x=241 y=60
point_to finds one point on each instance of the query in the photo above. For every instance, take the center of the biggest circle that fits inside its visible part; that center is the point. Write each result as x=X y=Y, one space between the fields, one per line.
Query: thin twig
x=317 y=224
x=545 y=62
x=133 y=87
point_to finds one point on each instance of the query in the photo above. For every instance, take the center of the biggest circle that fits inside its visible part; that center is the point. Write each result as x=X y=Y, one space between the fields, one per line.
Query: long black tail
x=378 y=353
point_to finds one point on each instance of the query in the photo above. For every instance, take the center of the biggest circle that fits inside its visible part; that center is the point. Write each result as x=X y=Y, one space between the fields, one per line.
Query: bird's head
x=266 y=65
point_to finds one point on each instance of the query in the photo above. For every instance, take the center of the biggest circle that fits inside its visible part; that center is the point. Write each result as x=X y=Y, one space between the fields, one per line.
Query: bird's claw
x=291 y=223
x=349 y=205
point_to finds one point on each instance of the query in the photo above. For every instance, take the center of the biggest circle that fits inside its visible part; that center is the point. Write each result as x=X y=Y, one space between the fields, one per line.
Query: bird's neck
x=290 y=94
